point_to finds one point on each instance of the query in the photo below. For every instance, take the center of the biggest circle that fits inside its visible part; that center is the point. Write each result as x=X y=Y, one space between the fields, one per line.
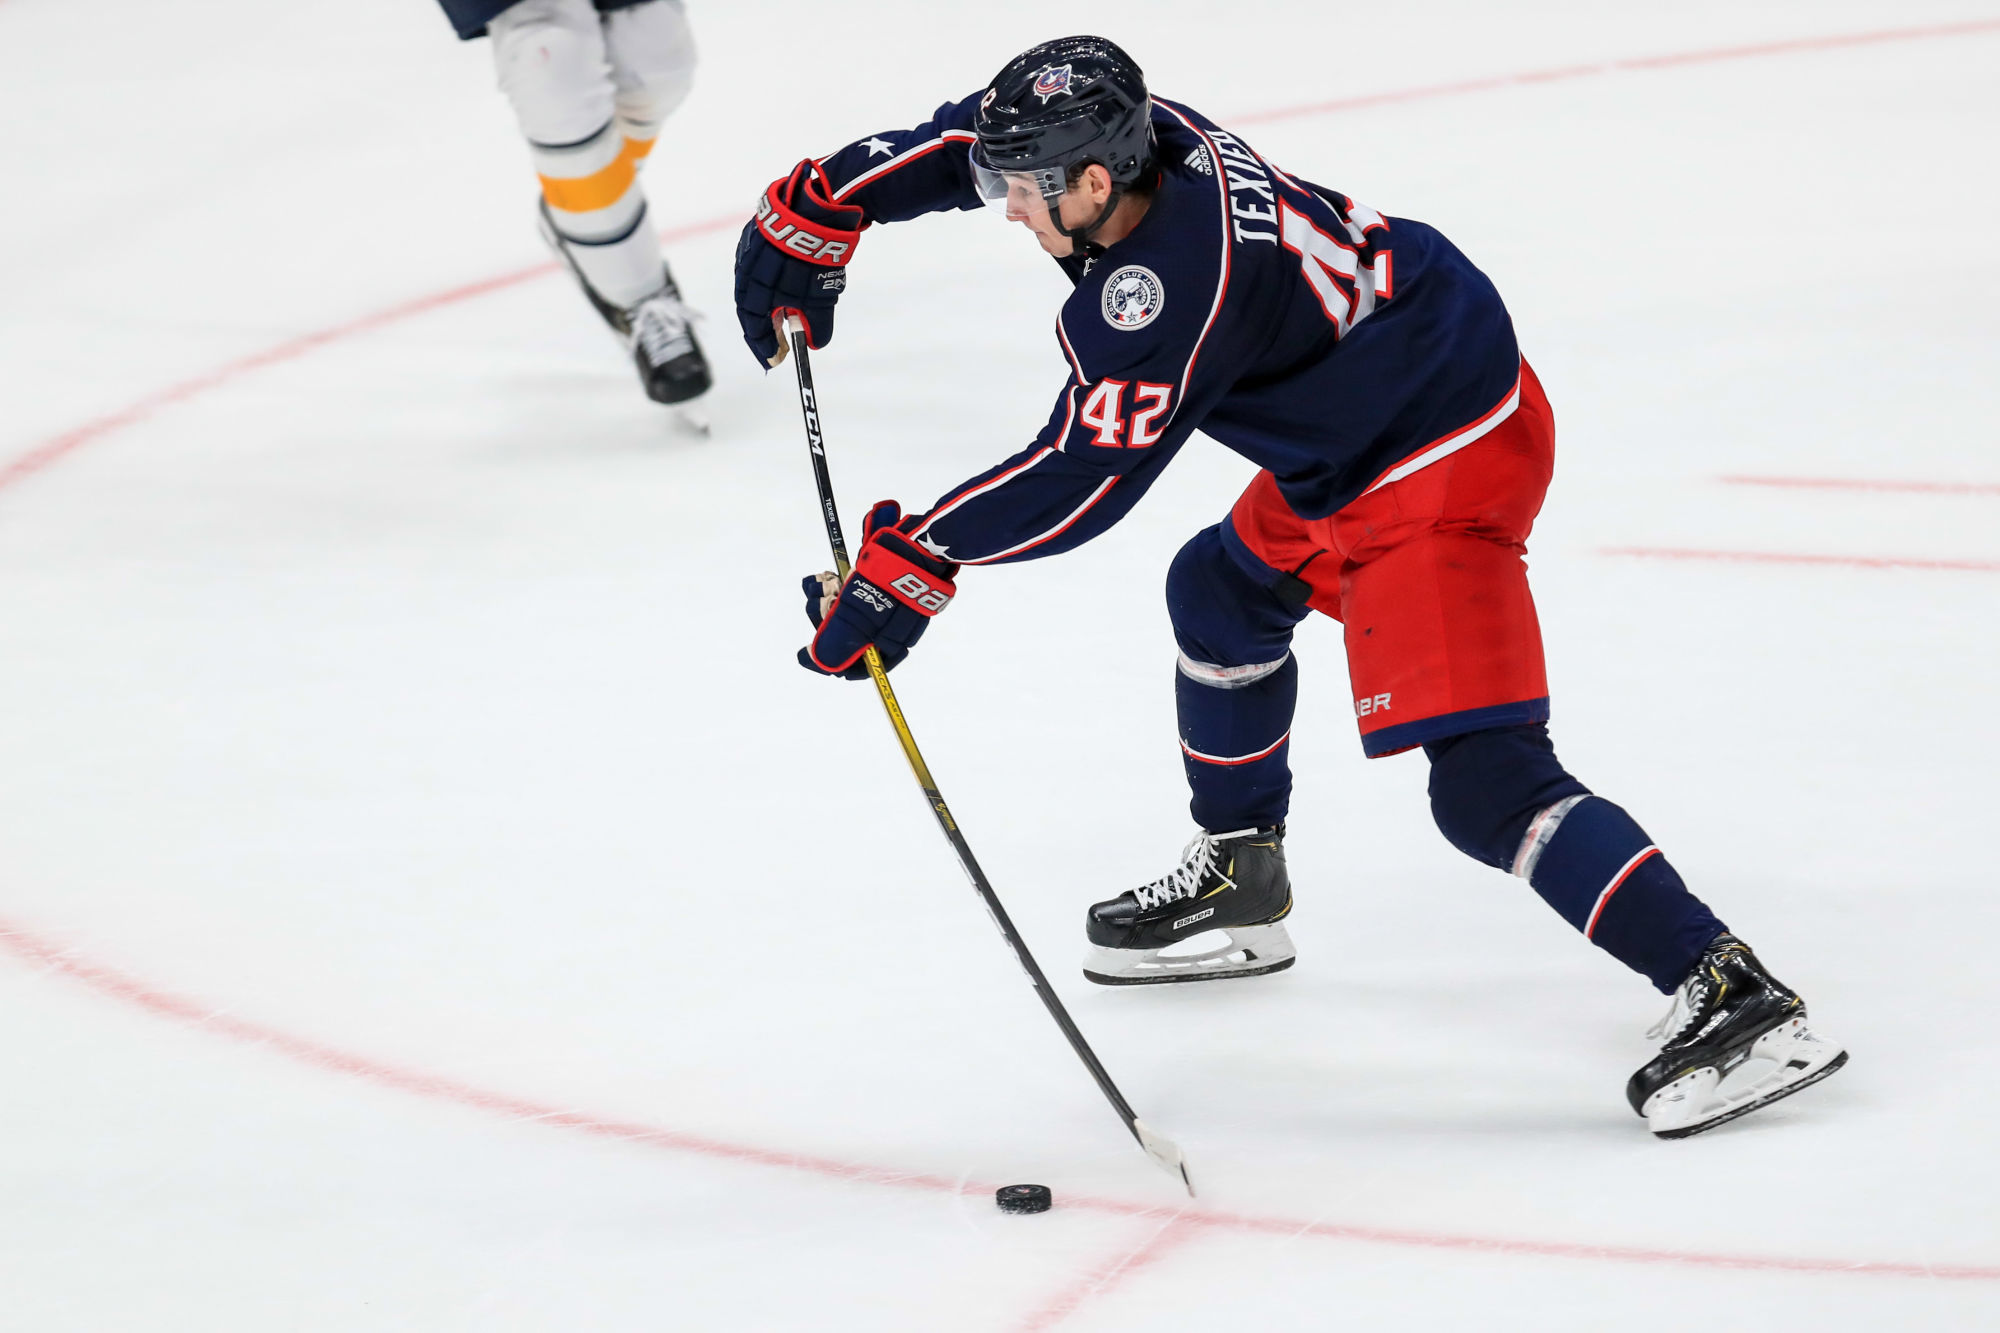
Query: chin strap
x=1079 y=237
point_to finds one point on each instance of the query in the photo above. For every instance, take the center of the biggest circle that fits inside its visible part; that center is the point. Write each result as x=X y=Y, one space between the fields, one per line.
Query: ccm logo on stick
x=1378 y=704
x=798 y=239
x=921 y=595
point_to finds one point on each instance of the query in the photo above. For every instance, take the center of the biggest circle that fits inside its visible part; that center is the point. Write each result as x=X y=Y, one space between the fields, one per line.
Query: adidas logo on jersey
x=1199 y=160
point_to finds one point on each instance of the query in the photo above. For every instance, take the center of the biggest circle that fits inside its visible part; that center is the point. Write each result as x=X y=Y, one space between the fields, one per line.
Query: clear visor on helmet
x=1020 y=194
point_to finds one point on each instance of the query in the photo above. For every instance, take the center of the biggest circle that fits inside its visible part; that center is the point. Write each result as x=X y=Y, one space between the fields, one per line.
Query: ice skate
x=1220 y=913
x=1736 y=1039
x=661 y=339
x=658 y=332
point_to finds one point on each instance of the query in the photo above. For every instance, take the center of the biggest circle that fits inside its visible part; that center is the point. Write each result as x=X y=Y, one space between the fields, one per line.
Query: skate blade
x=1783 y=1061
x=1251 y=951
x=691 y=420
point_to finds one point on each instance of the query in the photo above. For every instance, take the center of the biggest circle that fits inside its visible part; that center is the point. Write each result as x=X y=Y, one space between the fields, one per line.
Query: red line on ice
x=1870 y=484
x=118 y=985
x=1785 y=558
x=67 y=442
x=47 y=452
x=1707 y=56
x=1099 y=1281
x=163 y=1004
x=55 y=447
x=130 y=990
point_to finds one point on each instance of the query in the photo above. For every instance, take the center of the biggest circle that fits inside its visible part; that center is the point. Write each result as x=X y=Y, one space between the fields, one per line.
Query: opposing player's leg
x=1445 y=652
x=652 y=53
x=1220 y=912
x=581 y=115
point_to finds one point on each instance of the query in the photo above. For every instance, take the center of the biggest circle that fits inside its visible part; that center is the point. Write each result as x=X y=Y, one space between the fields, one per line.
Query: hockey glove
x=895 y=589
x=792 y=257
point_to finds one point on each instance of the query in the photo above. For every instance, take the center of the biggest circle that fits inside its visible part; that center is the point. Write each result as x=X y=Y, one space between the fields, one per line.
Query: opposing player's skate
x=660 y=335
x=658 y=332
x=1736 y=1039
x=1230 y=885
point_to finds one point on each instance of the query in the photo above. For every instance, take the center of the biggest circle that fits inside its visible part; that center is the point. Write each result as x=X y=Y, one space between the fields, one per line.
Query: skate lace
x=1701 y=994
x=1185 y=879
x=660 y=328
x=1679 y=1014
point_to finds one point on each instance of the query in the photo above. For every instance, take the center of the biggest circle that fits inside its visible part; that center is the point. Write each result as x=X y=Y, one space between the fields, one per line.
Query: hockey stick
x=1161 y=1149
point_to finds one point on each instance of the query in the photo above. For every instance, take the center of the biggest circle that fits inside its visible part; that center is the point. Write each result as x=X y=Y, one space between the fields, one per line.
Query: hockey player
x=591 y=84
x=1372 y=373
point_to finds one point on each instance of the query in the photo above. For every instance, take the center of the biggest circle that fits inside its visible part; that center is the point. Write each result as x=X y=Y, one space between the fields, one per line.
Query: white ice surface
x=426 y=698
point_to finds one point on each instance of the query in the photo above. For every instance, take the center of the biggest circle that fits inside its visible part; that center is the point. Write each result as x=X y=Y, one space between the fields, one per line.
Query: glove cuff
x=907 y=573
x=818 y=239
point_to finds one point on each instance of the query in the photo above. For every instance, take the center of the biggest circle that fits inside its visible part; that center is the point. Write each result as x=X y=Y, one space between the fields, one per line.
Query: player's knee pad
x=652 y=54
x=1488 y=786
x=1222 y=614
x=552 y=65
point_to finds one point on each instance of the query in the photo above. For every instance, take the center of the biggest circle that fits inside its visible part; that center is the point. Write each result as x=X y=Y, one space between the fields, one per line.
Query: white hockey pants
x=591 y=91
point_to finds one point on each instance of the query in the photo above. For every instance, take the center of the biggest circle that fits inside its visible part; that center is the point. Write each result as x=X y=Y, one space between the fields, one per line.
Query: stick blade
x=1165 y=1152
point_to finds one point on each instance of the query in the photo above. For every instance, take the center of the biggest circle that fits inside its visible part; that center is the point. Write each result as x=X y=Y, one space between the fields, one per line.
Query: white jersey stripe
x=1055 y=531
x=977 y=491
x=1287 y=180
x=1062 y=336
x=901 y=159
x=1452 y=443
x=1004 y=477
x=1222 y=284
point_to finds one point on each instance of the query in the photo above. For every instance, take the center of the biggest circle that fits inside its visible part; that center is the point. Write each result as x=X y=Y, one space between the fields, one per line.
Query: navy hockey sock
x=1593 y=863
x=1501 y=796
x=1236 y=685
x=1236 y=725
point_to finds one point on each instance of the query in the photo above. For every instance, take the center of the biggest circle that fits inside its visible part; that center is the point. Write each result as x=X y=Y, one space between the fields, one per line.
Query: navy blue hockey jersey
x=1335 y=346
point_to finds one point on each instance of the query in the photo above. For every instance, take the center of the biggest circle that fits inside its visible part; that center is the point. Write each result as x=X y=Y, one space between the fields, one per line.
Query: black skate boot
x=1231 y=882
x=658 y=332
x=1736 y=1039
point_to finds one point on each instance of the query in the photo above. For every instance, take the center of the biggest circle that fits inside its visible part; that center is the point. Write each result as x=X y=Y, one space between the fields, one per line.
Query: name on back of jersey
x=1248 y=182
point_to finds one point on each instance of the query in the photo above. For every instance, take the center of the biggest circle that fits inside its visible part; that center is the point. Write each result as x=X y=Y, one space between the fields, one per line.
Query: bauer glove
x=792 y=258
x=889 y=599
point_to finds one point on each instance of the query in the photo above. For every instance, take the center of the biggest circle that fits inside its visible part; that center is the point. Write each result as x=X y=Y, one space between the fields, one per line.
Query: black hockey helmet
x=1060 y=106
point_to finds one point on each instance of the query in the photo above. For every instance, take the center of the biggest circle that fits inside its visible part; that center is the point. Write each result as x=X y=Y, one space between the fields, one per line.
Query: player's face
x=1026 y=206
x=1037 y=200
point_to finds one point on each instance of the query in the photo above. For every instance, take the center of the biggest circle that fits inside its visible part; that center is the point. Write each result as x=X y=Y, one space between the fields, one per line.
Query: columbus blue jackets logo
x=1132 y=297
x=1051 y=81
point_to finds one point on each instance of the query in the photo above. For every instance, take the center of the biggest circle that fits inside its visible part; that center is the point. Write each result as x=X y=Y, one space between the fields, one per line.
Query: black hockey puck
x=1024 y=1198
